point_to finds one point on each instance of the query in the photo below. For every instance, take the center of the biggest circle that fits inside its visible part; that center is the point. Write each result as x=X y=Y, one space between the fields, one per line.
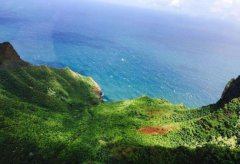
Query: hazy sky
x=222 y=9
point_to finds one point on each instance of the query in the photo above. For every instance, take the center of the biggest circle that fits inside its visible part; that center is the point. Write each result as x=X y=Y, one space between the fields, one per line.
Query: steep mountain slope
x=56 y=116
x=231 y=91
x=44 y=86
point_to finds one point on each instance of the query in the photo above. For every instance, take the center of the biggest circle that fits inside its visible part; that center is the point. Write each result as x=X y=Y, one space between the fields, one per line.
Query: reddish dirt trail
x=154 y=130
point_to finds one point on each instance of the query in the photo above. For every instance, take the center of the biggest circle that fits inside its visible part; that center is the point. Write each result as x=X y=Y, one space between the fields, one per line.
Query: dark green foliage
x=127 y=153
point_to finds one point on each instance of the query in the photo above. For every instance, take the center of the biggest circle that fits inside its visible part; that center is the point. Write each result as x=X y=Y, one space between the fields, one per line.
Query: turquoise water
x=130 y=52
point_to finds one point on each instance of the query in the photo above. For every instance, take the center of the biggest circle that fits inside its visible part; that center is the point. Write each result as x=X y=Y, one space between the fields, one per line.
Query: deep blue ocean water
x=130 y=52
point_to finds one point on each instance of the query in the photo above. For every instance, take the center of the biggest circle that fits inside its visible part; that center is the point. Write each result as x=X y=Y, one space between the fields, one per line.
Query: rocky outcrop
x=231 y=91
x=9 y=56
x=97 y=89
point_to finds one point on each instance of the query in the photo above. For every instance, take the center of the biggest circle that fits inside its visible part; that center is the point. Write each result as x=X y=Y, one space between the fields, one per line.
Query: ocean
x=130 y=52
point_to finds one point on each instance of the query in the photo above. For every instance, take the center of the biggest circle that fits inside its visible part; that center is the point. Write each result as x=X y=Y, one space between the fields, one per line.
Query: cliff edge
x=231 y=91
x=9 y=56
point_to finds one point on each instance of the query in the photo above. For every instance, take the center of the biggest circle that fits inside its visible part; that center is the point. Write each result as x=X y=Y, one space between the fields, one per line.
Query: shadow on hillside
x=123 y=153
x=129 y=153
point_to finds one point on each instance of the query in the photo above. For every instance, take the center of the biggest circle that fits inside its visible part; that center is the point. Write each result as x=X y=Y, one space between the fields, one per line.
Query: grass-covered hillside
x=56 y=116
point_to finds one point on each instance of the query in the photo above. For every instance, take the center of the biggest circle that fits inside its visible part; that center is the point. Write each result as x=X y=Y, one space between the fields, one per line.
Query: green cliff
x=52 y=115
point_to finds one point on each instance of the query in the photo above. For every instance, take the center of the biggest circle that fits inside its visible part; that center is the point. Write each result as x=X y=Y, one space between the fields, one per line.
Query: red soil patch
x=154 y=130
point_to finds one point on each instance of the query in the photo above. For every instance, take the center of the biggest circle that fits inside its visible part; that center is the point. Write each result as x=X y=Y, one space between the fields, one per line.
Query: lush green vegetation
x=56 y=116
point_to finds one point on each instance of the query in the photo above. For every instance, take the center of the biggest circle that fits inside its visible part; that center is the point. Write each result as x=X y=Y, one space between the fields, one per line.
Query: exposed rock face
x=9 y=57
x=231 y=91
x=97 y=89
x=7 y=52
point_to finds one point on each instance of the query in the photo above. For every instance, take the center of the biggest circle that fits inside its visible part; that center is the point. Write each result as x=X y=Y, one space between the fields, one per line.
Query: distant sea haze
x=130 y=52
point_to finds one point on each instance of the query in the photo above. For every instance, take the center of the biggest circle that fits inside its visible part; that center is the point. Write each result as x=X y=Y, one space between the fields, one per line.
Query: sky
x=220 y=9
